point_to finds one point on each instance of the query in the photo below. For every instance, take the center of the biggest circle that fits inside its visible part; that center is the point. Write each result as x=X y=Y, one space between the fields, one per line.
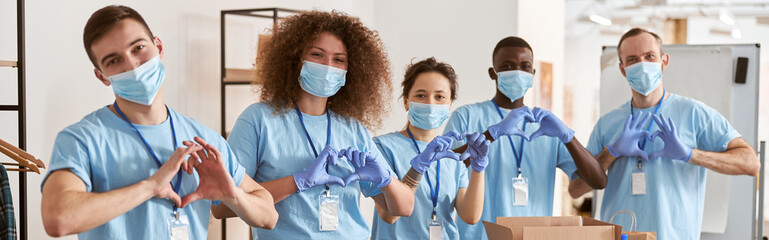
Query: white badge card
x=434 y=229
x=520 y=191
x=179 y=227
x=329 y=208
x=639 y=182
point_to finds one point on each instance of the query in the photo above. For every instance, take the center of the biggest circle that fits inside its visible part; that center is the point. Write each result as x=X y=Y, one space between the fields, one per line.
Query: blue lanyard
x=433 y=194
x=518 y=154
x=152 y=152
x=642 y=144
x=328 y=132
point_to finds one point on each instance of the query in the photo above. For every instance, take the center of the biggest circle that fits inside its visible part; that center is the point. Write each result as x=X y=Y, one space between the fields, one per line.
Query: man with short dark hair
x=131 y=170
x=521 y=175
x=661 y=180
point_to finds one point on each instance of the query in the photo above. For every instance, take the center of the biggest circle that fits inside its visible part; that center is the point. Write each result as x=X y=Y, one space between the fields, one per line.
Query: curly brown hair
x=366 y=94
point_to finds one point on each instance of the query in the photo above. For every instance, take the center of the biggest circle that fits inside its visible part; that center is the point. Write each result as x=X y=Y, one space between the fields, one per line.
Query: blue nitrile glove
x=633 y=132
x=477 y=150
x=439 y=147
x=509 y=125
x=550 y=125
x=674 y=148
x=367 y=168
x=316 y=174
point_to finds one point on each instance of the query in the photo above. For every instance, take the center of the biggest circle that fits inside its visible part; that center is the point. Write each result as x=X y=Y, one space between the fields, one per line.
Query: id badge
x=639 y=182
x=179 y=226
x=329 y=208
x=434 y=228
x=520 y=191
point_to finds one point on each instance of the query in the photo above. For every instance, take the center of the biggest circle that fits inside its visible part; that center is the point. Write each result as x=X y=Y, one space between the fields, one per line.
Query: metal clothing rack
x=233 y=76
x=20 y=109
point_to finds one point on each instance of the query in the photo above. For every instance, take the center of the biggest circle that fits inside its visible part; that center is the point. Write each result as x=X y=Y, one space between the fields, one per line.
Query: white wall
x=583 y=72
x=460 y=33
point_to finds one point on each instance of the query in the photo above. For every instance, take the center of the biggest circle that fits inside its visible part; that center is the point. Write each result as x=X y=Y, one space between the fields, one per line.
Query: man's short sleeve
x=70 y=153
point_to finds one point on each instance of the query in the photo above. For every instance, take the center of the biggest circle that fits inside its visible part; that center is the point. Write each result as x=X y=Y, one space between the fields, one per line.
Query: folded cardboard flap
x=516 y=224
x=539 y=221
x=572 y=233
x=592 y=222
x=496 y=231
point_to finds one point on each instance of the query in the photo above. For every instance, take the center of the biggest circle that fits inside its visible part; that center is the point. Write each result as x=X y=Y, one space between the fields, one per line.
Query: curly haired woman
x=324 y=79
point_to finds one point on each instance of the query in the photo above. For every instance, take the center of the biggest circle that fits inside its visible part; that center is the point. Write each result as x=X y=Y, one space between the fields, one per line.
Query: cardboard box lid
x=572 y=233
x=517 y=224
x=592 y=222
x=513 y=227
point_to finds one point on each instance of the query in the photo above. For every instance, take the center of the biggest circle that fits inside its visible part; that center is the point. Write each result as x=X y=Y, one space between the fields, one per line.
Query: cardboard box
x=531 y=228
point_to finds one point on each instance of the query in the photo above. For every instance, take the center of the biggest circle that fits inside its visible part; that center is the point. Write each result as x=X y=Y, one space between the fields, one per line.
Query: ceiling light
x=736 y=33
x=726 y=17
x=600 y=20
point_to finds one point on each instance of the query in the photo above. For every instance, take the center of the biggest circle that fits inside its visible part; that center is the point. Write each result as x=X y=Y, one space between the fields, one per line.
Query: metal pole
x=223 y=71
x=274 y=18
x=222 y=96
x=758 y=225
x=22 y=116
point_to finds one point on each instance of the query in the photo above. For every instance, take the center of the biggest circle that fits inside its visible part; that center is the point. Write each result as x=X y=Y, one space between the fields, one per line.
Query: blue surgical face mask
x=428 y=116
x=514 y=84
x=321 y=80
x=644 y=77
x=141 y=84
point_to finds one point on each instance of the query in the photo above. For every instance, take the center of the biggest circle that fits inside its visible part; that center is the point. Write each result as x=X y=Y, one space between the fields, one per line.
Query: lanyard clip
x=328 y=193
x=639 y=164
x=176 y=214
x=435 y=218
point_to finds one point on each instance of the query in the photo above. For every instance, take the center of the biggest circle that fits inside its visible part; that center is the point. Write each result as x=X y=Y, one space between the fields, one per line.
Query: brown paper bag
x=641 y=235
x=634 y=234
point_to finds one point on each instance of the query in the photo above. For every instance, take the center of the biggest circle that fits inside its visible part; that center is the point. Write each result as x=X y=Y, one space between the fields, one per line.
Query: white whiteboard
x=705 y=73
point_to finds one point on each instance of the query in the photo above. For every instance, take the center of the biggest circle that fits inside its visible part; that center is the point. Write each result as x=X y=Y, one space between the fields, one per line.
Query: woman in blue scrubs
x=429 y=88
x=324 y=79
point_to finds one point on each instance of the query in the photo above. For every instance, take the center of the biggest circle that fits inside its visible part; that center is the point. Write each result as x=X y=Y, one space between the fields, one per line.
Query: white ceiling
x=652 y=13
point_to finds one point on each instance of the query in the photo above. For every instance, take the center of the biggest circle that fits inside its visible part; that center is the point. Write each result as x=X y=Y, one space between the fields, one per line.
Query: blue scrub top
x=106 y=153
x=398 y=150
x=273 y=145
x=541 y=157
x=675 y=190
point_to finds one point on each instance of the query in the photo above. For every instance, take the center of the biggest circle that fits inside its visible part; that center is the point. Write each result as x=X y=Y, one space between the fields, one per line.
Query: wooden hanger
x=23 y=159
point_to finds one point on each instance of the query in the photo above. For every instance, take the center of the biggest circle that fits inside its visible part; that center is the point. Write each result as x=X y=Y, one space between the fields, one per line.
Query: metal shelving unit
x=234 y=76
x=20 y=109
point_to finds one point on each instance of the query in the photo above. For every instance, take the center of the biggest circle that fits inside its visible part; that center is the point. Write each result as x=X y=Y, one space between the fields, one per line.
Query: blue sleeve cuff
x=368 y=189
x=608 y=148
x=77 y=171
x=727 y=138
